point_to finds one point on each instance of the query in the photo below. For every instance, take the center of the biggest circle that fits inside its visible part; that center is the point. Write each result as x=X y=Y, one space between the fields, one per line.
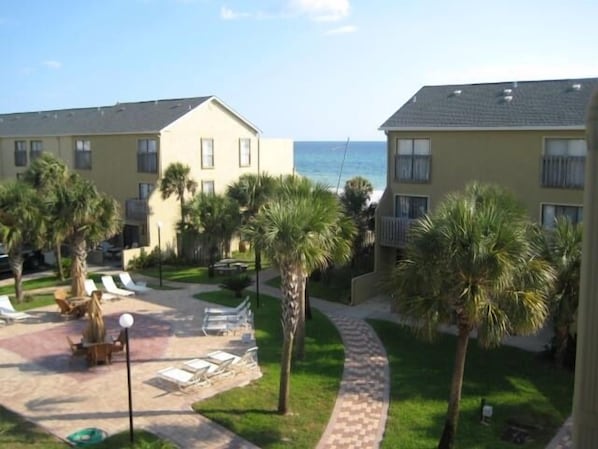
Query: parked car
x=32 y=259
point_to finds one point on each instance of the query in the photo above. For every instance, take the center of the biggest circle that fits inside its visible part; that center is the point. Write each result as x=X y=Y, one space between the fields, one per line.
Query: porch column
x=585 y=399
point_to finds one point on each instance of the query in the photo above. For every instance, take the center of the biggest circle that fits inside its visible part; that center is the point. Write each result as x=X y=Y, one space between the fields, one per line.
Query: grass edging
x=250 y=412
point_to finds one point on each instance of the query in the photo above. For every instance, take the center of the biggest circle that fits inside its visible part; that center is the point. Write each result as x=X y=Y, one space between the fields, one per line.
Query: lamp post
x=160 y=252
x=126 y=321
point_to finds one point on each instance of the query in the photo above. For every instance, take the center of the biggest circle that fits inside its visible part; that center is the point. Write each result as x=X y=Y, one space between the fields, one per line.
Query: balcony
x=565 y=172
x=392 y=231
x=136 y=209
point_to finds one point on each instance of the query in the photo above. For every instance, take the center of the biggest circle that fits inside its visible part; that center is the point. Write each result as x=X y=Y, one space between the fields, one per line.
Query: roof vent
x=507 y=91
x=55 y=116
x=515 y=84
x=120 y=109
x=414 y=99
x=1 y=120
x=457 y=92
x=508 y=98
x=576 y=86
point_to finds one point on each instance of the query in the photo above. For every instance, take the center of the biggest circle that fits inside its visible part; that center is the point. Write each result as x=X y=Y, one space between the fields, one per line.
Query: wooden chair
x=99 y=353
x=67 y=309
x=76 y=348
x=119 y=343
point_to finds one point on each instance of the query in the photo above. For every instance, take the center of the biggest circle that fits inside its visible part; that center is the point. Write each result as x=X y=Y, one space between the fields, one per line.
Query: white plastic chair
x=8 y=312
x=227 y=310
x=183 y=378
x=90 y=287
x=246 y=361
x=111 y=287
x=126 y=280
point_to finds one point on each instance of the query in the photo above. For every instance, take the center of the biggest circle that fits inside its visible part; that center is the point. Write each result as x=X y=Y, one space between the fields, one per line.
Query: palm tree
x=472 y=263
x=251 y=192
x=563 y=250
x=215 y=218
x=21 y=222
x=177 y=181
x=88 y=216
x=299 y=232
x=45 y=174
x=355 y=198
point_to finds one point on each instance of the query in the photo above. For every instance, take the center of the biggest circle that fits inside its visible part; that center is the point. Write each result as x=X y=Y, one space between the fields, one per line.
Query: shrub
x=237 y=283
x=66 y=263
x=144 y=260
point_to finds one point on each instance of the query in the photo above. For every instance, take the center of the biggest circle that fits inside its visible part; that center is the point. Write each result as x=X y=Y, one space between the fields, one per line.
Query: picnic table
x=229 y=266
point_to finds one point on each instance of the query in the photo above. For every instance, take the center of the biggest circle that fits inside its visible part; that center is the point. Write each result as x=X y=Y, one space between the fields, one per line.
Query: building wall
x=276 y=156
x=114 y=161
x=181 y=142
x=509 y=158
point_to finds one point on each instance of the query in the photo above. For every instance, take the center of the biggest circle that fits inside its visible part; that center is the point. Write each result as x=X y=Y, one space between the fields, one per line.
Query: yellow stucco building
x=526 y=136
x=125 y=149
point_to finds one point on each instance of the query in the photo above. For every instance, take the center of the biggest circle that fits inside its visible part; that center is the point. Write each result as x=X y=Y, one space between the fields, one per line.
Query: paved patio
x=41 y=381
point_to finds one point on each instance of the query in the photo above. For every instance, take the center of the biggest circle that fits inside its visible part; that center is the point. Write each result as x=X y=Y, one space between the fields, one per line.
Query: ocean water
x=323 y=162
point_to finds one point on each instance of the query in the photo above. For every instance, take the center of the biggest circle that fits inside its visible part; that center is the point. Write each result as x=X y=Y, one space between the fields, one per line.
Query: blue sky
x=302 y=69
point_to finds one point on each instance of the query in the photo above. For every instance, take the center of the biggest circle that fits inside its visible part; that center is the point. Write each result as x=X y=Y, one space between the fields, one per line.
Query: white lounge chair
x=214 y=371
x=90 y=287
x=242 y=315
x=8 y=312
x=246 y=361
x=226 y=310
x=126 y=280
x=218 y=327
x=183 y=378
x=111 y=287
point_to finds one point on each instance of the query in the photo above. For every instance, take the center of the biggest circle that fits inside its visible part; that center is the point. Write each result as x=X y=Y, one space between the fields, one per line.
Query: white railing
x=392 y=231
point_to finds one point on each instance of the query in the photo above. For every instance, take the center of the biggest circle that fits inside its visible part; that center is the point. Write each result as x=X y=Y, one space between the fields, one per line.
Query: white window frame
x=544 y=205
x=83 y=146
x=244 y=152
x=21 y=150
x=207 y=153
x=208 y=187
x=145 y=189
x=405 y=172
x=403 y=195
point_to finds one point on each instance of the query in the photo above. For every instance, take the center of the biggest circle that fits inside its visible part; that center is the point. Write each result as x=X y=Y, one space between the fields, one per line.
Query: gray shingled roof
x=554 y=103
x=141 y=117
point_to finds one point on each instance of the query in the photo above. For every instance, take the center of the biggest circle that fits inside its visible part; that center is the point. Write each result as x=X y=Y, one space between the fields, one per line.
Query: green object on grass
x=86 y=437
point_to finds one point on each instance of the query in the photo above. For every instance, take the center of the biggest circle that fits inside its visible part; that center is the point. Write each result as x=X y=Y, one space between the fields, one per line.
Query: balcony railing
x=566 y=172
x=136 y=209
x=392 y=231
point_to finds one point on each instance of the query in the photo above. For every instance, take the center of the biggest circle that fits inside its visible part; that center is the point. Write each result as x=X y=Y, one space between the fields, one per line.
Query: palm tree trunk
x=447 y=440
x=291 y=289
x=58 y=253
x=561 y=337
x=79 y=266
x=15 y=260
x=300 y=333
x=285 y=373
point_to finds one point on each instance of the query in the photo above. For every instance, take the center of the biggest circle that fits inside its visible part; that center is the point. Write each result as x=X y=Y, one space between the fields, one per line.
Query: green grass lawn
x=17 y=433
x=191 y=275
x=329 y=291
x=518 y=384
x=251 y=411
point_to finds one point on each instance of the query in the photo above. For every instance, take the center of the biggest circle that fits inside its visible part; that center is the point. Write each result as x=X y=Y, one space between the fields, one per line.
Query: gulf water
x=325 y=162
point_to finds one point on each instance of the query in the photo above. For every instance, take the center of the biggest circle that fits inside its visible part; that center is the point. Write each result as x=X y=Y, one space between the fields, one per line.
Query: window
x=412 y=160
x=207 y=187
x=411 y=207
x=147 y=156
x=83 y=154
x=550 y=212
x=563 y=164
x=20 y=153
x=207 y=153
x=244 y=152
x=145 y=190
x=36 y=149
